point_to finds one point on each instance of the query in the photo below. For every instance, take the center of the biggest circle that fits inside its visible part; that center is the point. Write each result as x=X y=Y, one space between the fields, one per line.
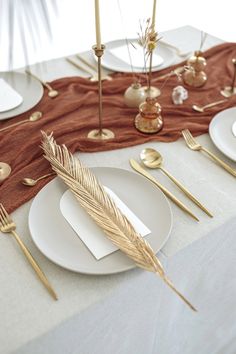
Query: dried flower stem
x=203 y=40
x=148 y=39
x=135 y=79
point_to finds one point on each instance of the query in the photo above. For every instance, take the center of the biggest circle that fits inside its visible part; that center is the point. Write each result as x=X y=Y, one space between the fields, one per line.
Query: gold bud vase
x=195 y=75
x=149 y=119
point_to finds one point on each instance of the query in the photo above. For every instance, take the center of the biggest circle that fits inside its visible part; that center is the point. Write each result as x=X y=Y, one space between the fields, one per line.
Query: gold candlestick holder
x=5 y=171
x=229 y=91
x=100 y=133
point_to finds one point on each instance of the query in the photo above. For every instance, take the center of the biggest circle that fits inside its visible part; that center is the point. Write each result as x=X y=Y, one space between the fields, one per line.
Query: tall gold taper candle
x=97 y=21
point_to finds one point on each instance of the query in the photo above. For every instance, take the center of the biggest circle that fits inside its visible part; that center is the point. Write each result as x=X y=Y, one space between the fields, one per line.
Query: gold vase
x=149 y=119
x=195 y=75
x=134 y=95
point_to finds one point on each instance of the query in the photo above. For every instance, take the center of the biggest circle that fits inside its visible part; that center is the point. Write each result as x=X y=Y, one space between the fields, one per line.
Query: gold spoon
x=33 y=118
x=5 y=171
x=51 y=92
x=153 y=159
x=176 y=71
x=201 y=109
x=30 y=182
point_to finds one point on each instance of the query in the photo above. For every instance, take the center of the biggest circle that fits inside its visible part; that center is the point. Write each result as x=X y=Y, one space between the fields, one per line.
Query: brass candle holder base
x=104 y=134
x=100 y=133
x=5 y=171
x=228 y=91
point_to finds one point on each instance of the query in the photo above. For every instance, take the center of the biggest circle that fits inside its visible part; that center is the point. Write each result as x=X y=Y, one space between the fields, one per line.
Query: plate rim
x=212 y=122
x=154 y=69
x=15 y=114
x=101 y=273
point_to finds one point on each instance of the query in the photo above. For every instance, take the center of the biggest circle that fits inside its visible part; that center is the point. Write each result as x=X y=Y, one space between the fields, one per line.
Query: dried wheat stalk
x=98 y=204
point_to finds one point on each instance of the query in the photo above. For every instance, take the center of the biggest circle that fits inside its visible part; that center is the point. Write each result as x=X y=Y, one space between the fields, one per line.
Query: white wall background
x=74 y=30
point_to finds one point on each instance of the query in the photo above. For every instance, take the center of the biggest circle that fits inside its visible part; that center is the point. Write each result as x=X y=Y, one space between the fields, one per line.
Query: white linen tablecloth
x=133 y=312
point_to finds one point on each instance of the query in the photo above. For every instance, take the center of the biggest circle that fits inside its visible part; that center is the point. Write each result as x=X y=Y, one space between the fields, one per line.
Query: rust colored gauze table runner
x=74 y=113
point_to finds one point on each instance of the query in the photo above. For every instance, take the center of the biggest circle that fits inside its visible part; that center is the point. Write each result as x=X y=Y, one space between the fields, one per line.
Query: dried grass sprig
x=147 y=38
x=100 y=206
x=203 y=40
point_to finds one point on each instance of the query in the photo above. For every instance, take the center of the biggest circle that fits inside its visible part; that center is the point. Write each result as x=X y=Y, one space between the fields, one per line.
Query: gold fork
x=194 y=145
x=8 y=226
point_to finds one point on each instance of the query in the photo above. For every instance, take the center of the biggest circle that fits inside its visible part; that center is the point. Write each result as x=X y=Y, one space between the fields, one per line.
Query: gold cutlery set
x=138 y=168
x=88 y=68
x=153 y=160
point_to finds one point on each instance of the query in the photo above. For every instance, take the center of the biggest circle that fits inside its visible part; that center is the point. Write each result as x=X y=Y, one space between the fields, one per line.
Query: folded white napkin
x=9 y=98
x=136 y=54
x=86 y=228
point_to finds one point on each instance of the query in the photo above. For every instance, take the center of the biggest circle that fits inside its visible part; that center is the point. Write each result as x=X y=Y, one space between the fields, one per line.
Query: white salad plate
x=114 y=63
x=221 y=132
x=27 y=87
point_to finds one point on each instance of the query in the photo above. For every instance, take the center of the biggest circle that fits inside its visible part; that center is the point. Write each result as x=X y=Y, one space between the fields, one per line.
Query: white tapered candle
x=154 y=13
x=97 y=21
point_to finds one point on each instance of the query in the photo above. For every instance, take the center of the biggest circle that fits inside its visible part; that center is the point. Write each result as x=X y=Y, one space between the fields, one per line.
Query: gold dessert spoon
x=178 y=71
x=201 y=109
x=5 y=171
x=33 y=118
x=153 y=159
x=30 y=182
x=51 y=92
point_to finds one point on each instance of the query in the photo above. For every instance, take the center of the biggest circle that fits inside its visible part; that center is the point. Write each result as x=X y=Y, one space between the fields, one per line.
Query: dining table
x=133 y=312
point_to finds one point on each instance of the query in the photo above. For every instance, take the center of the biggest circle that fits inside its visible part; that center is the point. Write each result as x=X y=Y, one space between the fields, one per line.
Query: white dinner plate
x=220 y=130
x=57 y=240
x=28 y=88
x=111 y=62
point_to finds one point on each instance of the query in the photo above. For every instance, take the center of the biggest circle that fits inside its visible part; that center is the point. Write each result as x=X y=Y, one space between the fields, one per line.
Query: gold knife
x=187 y=193
x=136 y=166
